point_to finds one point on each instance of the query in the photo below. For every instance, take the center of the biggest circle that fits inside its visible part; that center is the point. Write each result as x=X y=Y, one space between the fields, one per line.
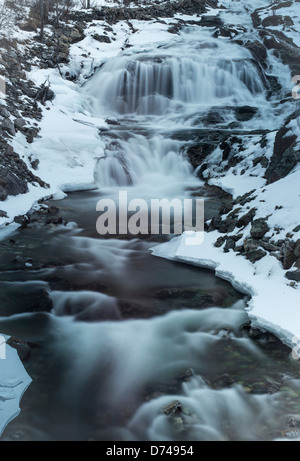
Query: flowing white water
x=168 y=90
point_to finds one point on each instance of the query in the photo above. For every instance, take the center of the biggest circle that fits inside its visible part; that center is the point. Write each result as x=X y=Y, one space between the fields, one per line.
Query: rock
x=101 y=38
x=230 y=245
x=246 y=219
x=23 y=348
x=4 y=112
x=211 y=21
x=249 y=244
x=178 y=424
x=255 y=255
x=259 y=228
x=297 y=249
x=285 y=156
x=297 y=263
x=258 y=51
x=288 y=258
x=245 y=113
x=294 y=421
x=212 y=117
x=22 y=220
x=173 y=408
x=10 y=184
x=44 y=94
x=198 y=153
x=293 y=275
x=277 y=20
x=19 y=124
x=7 y=125
x=220 y=242
x=186 y=375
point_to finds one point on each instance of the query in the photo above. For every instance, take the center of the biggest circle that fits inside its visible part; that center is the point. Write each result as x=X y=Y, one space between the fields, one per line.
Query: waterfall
x=147 y=161
x=154 y=86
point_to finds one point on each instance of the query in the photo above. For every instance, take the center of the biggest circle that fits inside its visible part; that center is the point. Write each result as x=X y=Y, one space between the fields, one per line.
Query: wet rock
x=178 y=424
x=245 y=113
x=22 y=220
x=224 y=380
x=212 y=117
x=186 y=375
x=198 y=153
x=284 y=48
x=258 y=51
x=294 y=421
x=259 y=228
x=255 y=333
x=173 y=408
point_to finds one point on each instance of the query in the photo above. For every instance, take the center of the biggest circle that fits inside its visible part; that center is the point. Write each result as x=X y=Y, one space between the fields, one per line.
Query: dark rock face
x=285 y=157
x=198 y=153
x=245 y=113
x=258 y=51
x=285 y=48
x=11 y=185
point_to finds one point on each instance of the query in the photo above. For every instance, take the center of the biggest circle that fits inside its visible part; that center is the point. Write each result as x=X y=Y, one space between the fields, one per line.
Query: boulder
x=259 y=228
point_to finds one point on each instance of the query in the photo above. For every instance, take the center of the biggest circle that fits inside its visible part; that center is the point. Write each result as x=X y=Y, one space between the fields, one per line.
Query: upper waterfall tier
x=156 y=85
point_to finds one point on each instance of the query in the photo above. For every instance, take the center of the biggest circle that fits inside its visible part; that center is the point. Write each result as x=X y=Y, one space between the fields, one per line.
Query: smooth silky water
x=117 y=335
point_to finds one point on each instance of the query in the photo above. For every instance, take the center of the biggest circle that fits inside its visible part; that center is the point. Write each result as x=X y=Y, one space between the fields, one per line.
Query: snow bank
x=274 y=304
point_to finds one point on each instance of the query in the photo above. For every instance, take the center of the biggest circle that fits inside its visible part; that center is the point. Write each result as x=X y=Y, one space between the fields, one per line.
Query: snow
x=274 y=304
x=14 y=381
x=293 y=12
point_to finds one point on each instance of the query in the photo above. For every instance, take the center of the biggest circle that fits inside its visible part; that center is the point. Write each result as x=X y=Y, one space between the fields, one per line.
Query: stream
x=123 y=345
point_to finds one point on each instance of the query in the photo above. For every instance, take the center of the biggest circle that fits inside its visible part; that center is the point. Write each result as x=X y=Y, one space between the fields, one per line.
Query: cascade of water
x=154 y=86
x=187 y=78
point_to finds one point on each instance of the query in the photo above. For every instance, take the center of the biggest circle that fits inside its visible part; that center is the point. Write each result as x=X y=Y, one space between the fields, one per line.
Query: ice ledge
x=274 y=304
x=14 y=381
